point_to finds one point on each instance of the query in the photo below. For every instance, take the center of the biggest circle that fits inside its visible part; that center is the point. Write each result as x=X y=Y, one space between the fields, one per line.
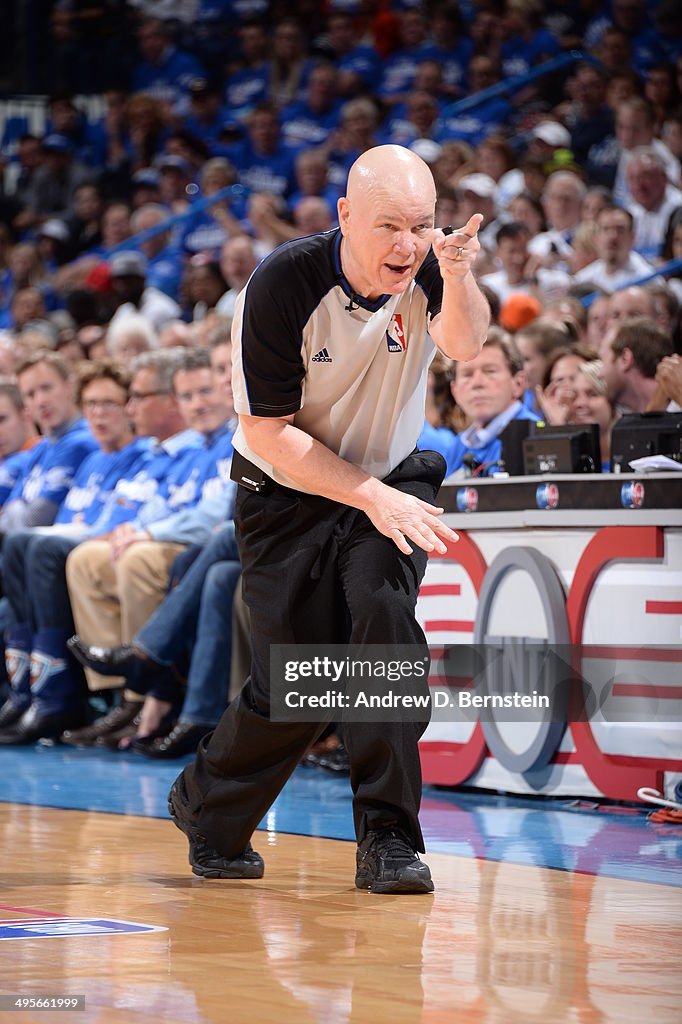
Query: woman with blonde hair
x=590 y=404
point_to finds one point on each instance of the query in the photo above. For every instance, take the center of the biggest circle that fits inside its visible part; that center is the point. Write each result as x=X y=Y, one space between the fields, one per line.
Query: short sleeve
x=267 y=335
x=431 y=283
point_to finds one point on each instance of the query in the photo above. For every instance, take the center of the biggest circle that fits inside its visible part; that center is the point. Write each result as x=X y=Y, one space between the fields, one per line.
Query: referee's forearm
x=461 y=327
x=309 y=463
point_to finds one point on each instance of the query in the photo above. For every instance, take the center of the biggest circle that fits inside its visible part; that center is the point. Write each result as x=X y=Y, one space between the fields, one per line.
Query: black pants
x=315 y=571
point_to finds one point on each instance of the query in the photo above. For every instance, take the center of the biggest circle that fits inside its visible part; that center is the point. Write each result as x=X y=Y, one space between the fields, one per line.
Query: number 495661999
x=21 y=1001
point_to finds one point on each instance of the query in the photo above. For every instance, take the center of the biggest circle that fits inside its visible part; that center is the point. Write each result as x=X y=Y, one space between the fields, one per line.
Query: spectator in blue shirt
x=145 y=187
x=357 y=63
x=207 y=231
x=399 y=69
x=155 y=414
x=450 y=48
x=414 y=119
x=116 y=583
x=47 y=389
x=193 y=620
x=488 y=390
x=175 y=173
x=64 y=118
x=33 y=569
x=526 y=42
x=164 y=260
x=248 y=86
x=27 y=304
x=207 y=116
x=17 y=437
x=632 y=18
x=478 y=123
x=312 y=178
x=289 y=66
x=164 y=72
x=356 y=133
x=262 y=160
x=587 y=117
x=310 y=121
x=25 y=270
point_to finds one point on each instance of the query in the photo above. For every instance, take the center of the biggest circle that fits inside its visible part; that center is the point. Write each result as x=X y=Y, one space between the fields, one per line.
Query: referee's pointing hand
x=457 y=249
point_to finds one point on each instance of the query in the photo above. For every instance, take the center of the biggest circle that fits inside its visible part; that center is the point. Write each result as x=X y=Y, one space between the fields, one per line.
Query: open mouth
x=397 y=269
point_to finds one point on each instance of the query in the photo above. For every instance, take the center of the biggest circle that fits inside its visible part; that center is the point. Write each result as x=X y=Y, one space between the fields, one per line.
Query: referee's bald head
x=390 y=167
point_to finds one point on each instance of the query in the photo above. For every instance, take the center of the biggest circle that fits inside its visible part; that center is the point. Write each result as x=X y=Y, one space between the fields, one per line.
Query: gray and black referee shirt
x=355 y=380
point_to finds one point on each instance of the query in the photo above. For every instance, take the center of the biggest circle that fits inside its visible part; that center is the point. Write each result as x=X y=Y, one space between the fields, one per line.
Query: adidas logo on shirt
x=322 y=356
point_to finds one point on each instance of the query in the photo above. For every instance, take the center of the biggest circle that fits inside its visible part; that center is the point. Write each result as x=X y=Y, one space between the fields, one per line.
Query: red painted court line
x=449 y=626
x=663 y=607
x=647 y=690
x=671 y=654
x=29 y=910
x=440 y=590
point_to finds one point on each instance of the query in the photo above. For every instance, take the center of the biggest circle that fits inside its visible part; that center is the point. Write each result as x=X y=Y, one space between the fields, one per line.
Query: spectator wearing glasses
x=47 y=695
x=116 y=583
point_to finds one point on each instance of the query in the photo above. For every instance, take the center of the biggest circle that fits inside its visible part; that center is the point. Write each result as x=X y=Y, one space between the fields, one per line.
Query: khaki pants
x=111 y=603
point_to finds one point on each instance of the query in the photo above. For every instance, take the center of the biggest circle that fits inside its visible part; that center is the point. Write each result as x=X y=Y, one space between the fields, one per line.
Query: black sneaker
x=204 y=860
x=386 y=863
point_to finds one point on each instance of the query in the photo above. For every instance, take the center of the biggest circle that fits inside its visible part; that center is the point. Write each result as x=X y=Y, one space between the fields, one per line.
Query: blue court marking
x=618 y=842
x=62 y=927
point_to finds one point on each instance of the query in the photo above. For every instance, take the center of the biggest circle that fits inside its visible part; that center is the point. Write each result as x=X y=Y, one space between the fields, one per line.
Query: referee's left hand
x=402 y=517
x=456 y=252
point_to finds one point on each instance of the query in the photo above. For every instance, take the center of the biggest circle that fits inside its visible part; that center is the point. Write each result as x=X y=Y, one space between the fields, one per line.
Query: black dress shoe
x=113 y=721
x=34 y=726
x=10 y=713
x=183 y=739
x=112 y=739
x=138 y=743
x=108 y=661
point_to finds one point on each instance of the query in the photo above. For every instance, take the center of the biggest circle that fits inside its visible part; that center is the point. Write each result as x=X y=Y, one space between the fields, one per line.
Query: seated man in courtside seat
x=489 y=390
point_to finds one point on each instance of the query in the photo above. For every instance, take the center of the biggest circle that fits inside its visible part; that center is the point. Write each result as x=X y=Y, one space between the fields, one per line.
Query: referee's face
x=387 y=235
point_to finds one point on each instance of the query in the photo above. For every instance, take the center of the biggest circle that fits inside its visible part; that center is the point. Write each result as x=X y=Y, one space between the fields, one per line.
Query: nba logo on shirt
x=395 y=334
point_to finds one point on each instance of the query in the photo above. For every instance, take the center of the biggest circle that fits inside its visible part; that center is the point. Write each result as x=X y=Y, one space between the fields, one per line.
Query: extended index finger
x=472 y=225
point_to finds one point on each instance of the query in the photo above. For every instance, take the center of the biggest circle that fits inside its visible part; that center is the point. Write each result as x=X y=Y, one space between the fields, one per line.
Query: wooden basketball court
x=498 y=942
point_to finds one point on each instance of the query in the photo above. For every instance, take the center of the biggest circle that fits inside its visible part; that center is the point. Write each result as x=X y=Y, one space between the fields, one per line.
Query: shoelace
x=393 y=845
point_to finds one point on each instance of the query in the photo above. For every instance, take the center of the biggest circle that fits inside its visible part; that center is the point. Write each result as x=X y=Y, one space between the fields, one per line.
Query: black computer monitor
x=571 y=448
x=512 y=438
x=649 y=433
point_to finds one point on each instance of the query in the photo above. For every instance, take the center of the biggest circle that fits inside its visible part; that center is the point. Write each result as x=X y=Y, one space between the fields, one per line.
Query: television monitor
x=637 y=435
x=571 y=448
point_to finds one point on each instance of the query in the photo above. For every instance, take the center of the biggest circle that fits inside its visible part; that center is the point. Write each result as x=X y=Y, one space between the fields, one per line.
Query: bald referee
x=335 y=514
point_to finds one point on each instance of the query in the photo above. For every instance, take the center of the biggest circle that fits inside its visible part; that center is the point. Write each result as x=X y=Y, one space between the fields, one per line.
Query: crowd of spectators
x=118 y=280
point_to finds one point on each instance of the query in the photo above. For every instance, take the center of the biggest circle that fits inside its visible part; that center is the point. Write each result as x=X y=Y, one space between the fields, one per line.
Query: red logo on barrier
x=617 y=776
